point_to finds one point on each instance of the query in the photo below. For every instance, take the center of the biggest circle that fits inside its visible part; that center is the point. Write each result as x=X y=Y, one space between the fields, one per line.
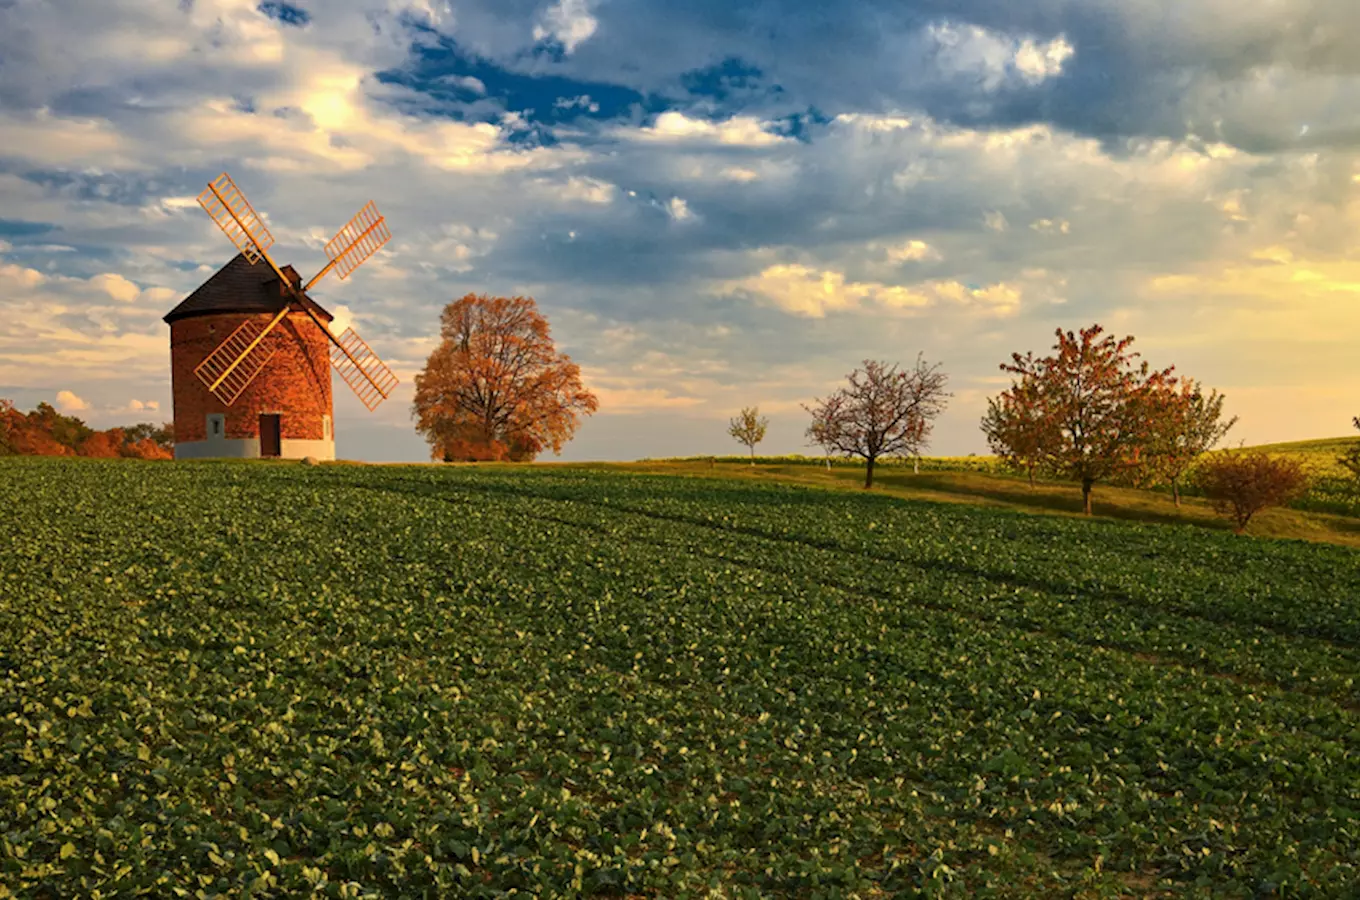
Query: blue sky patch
x=451 y=78
x=286 y=13
x=18 y=228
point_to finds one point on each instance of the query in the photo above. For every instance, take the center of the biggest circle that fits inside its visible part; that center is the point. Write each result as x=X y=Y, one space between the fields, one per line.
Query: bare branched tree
x=883 y=412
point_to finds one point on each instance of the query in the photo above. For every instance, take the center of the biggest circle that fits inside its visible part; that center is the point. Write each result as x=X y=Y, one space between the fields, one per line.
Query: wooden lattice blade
x=361 y=369
x=229 y=208
x=359 y=239
x=230 y=368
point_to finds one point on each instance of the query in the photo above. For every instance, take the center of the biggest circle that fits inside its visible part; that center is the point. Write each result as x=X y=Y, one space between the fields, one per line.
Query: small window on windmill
x=216 y=425
x=326 y=428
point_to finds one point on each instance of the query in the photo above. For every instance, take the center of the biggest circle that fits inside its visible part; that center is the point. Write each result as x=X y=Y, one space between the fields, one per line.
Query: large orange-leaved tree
x=496 y=388
x=1095 y=411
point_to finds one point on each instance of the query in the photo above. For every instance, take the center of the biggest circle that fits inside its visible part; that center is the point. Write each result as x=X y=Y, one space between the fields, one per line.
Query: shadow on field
x=1067 y=499
x=1343 y=635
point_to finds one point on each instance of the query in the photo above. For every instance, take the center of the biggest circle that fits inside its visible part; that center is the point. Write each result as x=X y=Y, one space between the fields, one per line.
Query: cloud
x=802 y=291
x=1048 y=226
x=116 y=286
x=68 y=402
x=738 y=131
x=568 y=22
x=993 y=58
x=581 y=102
x=678 y=209
x=912 y=251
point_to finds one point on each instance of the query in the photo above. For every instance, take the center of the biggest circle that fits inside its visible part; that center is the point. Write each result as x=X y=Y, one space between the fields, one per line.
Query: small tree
x=883 y=412
x=1095 y=406
x=1017 y=429
x=1241 y=484
x=749 y=428
x=1186 y=424
x=818 y=438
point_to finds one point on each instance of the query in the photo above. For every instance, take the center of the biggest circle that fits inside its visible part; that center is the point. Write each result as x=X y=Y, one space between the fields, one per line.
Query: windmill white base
x=249 y=448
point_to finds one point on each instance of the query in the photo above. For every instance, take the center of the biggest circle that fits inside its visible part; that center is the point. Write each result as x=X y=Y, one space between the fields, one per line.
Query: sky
x=716 y=203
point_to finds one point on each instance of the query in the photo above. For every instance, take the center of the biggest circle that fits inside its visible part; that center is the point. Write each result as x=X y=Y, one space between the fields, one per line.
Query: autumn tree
x=1350 y=459
x=1242 y=483
x=749 y=428
x=883 y=412
x=11 y=420
x=1096 y=407
x=103 y=444
x=67 y=431
x=496 y=388
x=1018 y=429
x=1186 y=424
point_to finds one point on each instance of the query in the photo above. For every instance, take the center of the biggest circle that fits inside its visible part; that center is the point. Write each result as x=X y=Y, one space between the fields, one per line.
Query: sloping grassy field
x=1329 y=513
x=269 y=679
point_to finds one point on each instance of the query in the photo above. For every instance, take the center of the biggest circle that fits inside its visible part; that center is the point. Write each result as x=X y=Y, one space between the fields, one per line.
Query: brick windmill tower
x=251 y=352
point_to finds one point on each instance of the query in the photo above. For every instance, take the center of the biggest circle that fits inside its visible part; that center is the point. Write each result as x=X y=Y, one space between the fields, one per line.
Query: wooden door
x=269 y=434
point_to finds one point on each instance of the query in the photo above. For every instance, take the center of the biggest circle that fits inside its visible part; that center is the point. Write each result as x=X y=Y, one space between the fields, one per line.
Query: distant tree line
x=45 y=432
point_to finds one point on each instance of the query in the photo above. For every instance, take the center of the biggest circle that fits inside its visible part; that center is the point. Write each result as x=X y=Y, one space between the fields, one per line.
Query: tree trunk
x=1086 y=484
x=828 y=464
x=868 y=473
x=1031 y=476
x=1176 y=492
x=916 y=465
x=753 y=454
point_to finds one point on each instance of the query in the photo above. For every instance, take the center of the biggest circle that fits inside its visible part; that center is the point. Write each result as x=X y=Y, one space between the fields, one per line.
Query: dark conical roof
x=239 y=287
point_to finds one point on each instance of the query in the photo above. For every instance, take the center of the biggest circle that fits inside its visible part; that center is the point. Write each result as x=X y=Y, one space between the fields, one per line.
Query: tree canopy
x=496 y=388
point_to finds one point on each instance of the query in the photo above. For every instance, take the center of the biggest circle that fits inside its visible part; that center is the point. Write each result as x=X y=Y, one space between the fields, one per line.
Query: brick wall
x=296 y=383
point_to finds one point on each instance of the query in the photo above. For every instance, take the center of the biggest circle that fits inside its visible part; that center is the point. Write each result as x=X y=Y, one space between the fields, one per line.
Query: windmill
x=264 y=388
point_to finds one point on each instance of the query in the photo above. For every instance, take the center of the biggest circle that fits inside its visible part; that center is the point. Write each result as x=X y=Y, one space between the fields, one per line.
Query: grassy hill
x=1329 y=513
x=473 y=681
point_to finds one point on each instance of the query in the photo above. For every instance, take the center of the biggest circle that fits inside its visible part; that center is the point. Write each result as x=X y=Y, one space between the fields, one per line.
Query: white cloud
x=995 y=220
x=117 y=287
x=912 y=251
x=743 y=174
x=581 y=102
x=68 y=402
x=582 y=189
x=466 y=82
x=994 y=58
x=1037 y=62
x=678 y=209
x=673 y=127
x=1050 y=226
x=567 y=21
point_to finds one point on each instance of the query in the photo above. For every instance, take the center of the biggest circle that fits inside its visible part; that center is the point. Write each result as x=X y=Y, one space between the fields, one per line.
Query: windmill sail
x=229 y=208
x=358 y=240
x=230 y=368
x=367 y=375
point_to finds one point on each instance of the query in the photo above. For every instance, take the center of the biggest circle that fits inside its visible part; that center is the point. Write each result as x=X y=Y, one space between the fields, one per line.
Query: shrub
x=1241 y=484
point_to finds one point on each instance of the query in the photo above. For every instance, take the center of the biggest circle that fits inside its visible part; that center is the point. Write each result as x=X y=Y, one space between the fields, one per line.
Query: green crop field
x=236 y=679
